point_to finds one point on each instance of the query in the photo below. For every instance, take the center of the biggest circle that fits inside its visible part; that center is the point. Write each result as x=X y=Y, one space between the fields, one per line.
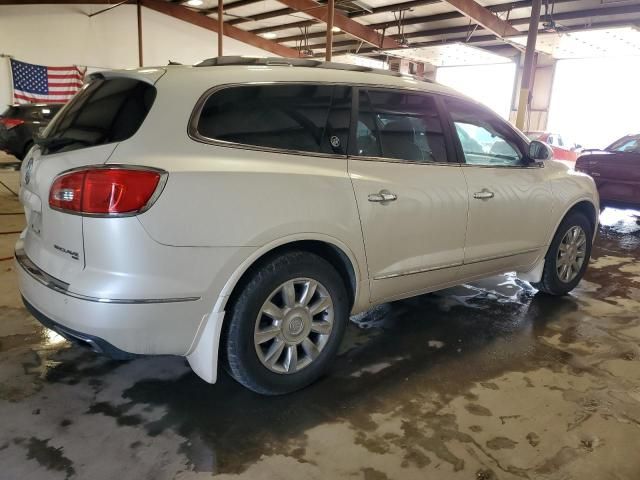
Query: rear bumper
x=112 y=326
x=98 y=345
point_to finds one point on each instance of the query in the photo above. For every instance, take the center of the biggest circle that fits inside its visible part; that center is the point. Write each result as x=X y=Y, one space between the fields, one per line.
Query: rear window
x=16 y=112
x=35 y=112
x=104 y=111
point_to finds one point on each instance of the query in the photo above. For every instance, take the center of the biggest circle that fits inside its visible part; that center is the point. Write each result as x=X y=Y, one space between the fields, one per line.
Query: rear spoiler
x=149 y=75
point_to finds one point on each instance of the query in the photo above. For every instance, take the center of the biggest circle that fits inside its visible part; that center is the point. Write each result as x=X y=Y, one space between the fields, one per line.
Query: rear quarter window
x=291 y=117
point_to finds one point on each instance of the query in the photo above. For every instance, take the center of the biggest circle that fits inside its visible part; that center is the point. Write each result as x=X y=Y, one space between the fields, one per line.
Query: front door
x=510 y=198
x=411 y=197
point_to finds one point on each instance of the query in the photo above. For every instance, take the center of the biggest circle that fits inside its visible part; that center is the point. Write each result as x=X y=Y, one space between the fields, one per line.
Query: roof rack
x=292 y=62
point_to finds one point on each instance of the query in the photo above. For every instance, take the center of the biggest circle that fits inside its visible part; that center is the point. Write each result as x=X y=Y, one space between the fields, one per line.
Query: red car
x=616 y=171
x=563 y=149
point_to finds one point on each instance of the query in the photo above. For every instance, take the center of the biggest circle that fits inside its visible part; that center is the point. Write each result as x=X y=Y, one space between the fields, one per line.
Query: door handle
x=483 y=195
x=382 y=197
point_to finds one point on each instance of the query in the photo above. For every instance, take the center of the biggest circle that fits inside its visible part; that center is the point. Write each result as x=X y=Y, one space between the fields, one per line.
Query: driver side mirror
x=540 y=151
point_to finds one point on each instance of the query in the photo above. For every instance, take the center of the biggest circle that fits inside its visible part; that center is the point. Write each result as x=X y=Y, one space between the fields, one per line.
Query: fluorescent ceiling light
x=449 y=55
x=269 y=35
x=363 y=5
x=195 y=3
x=593 y=43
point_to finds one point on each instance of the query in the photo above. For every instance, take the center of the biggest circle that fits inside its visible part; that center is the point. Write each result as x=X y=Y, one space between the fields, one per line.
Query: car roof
x=239 y=70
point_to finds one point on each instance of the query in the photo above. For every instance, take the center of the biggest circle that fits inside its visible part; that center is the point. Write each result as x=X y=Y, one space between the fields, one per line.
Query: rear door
x=411 y=196
x=86 y=132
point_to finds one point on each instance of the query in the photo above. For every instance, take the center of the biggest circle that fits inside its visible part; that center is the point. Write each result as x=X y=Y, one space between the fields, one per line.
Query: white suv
x=241 y=209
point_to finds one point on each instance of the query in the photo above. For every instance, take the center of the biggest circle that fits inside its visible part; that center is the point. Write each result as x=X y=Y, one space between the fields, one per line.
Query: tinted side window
x=398 y=125
x=308 y=118
x=485 y=138
x=104 y=111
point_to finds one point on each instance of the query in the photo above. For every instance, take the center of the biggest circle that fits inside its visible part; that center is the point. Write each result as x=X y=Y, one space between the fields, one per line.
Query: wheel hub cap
x=571 y=254
x=296 y=325
x=293 y=325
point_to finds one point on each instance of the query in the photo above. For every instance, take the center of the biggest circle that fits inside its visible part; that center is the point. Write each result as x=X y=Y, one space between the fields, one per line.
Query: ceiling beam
x=343 y=22
x=229 y=6
x=490 y=38
x=262 y=16
x=502 y=7
x=484 y=17
x=420 y=20
x=237 y=4
x=573 y=15
x=360 y=13
x=363 y=13
x=201 y=20
x=58 y=2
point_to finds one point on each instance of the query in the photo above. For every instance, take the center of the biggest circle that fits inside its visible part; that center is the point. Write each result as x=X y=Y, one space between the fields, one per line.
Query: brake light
x=104 y=191
x=10 y=123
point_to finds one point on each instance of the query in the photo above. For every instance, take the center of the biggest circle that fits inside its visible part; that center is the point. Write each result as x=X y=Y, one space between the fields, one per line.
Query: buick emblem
x=27 y=171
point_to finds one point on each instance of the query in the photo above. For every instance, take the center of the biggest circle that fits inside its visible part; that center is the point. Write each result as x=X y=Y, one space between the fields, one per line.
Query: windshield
x=103 y=111
x=627 y=144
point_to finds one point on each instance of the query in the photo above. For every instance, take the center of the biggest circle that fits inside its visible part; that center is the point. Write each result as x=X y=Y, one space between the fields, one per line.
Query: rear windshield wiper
x=56 y=142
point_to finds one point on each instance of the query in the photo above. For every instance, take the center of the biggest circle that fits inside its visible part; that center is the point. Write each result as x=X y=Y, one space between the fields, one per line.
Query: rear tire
x=568 y=255
x=286 y=324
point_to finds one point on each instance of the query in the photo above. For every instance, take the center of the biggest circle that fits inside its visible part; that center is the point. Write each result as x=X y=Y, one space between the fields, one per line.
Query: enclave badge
x=27 y=171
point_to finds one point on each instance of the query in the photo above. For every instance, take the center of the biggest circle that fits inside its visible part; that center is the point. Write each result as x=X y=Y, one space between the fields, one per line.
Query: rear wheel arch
x=337 y=255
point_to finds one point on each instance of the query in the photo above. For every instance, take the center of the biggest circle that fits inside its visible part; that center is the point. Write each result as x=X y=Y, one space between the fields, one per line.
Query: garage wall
x=65 y=35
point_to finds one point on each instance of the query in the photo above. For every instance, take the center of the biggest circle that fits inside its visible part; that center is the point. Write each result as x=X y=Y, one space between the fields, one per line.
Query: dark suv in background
x=19 y=124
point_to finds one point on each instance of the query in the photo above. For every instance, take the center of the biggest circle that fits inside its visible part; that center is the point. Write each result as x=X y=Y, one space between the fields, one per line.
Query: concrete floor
x=482 y=381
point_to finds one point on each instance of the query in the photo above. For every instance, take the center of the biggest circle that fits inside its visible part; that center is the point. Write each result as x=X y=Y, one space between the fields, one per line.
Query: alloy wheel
x=293 y=325
x=571 y=254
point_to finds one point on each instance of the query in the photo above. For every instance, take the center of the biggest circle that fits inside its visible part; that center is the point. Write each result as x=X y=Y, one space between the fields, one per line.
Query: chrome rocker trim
x=62 y=287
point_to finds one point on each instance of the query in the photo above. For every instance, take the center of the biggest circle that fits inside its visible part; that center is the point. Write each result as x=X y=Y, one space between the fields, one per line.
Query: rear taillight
x=10 y=123
x=105 y=191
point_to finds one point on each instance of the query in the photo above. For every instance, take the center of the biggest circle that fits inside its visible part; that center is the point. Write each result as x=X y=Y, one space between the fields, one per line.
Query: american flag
x=42 y=84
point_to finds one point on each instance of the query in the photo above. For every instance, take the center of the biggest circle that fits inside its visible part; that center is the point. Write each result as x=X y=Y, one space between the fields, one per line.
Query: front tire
x=286 y=325
x=568 y=255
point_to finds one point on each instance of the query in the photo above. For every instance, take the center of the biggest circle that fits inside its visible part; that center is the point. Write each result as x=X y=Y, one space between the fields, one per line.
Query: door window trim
x=449 y=147
x=458 y=145
x=194 y=134
x=192 y=125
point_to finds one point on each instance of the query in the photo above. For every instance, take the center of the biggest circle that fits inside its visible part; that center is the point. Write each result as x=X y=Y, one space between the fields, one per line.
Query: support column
x=529 y=57
x=220 y=26
x=331 y=8
x=140 y=57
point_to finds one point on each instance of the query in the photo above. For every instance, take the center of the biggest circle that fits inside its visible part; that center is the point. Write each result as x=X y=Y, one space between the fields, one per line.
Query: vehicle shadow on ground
x=394 y=354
